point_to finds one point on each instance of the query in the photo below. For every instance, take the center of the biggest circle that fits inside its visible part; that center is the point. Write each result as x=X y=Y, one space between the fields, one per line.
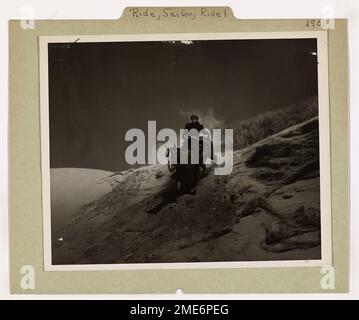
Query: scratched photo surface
x=107 y=209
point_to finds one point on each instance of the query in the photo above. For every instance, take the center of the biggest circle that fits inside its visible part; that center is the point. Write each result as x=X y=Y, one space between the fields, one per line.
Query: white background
x=243 y=9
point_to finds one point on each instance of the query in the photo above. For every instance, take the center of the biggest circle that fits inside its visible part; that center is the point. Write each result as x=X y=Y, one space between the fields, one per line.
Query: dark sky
x=100 y=90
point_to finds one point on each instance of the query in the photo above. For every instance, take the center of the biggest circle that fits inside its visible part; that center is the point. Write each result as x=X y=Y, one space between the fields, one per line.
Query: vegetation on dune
x=249 y=131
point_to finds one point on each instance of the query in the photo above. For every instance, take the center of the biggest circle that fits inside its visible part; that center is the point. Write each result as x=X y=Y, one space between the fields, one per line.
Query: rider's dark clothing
x=196 y=125
x=189 y=126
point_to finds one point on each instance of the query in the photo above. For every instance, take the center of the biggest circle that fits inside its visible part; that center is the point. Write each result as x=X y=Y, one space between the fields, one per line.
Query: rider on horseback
x=195 y=124
x=189 y=172
x=196 y=127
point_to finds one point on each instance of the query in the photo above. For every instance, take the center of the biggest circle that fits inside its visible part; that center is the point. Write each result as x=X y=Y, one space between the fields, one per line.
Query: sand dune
x=267 y=209
x=71 y=188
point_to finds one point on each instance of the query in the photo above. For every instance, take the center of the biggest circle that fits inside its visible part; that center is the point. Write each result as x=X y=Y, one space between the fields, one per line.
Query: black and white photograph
x=185 y=150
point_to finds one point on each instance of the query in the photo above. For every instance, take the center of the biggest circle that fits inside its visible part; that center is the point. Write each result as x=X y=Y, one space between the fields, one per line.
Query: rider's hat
x=193 y=116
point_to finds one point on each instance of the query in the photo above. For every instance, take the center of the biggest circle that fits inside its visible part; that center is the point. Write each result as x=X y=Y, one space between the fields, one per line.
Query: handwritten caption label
x=174 y=13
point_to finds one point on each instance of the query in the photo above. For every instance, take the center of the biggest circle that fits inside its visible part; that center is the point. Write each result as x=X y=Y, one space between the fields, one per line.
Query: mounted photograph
x=185 y=151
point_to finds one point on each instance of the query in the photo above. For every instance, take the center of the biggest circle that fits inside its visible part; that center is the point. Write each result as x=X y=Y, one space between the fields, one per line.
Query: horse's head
x=171 y=155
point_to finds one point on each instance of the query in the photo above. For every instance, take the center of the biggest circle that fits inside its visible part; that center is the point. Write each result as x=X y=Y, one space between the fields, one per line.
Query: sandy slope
x=267 y=209
x=71 y=188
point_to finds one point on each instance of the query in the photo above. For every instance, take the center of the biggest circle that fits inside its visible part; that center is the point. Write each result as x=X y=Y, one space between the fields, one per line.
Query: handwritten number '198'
x=313 y=23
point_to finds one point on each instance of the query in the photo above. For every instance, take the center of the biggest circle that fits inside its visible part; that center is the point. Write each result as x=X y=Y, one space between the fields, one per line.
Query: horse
x=187 y=175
